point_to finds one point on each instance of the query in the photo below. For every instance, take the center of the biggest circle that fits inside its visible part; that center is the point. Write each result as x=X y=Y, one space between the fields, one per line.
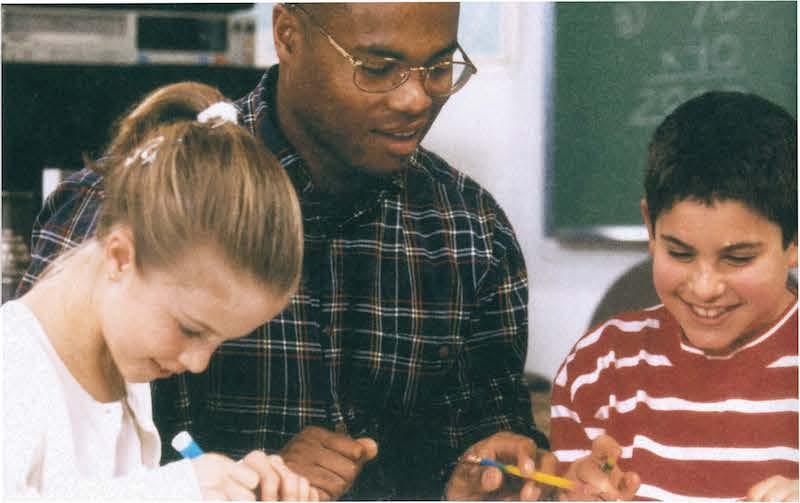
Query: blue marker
x=185 y=444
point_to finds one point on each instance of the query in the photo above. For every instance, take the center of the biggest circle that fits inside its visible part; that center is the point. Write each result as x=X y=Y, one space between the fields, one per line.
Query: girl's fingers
x=287 y=484
x=290 y=481
x=270 y=485
x=304 y=489
x=244 y=475
x=236 y=492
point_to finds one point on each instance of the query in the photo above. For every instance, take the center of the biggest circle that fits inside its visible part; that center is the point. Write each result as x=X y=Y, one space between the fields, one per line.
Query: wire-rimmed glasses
x=382 y=74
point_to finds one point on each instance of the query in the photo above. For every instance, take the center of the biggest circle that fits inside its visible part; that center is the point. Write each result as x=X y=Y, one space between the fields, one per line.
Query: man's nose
x=411 y=97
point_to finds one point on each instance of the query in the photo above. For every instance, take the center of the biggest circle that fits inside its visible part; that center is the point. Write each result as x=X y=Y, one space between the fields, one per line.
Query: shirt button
x=444 y=351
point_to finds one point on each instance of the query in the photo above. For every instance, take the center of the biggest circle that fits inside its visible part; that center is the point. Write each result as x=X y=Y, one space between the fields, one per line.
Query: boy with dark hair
x=701 y=392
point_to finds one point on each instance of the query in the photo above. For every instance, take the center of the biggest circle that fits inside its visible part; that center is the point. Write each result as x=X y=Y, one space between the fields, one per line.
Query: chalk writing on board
x=629 y=19
x=708 y=57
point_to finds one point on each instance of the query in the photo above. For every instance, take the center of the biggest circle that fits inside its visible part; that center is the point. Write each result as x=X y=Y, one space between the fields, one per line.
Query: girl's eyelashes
x=191 y=333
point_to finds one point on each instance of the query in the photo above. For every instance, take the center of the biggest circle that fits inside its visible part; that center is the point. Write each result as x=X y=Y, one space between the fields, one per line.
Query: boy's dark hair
x=726 y=146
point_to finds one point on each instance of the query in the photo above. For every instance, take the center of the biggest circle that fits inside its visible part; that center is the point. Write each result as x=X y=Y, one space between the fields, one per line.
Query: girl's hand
x=278 y=482
x=221 y=478
x=599 y=477
x=775 y=488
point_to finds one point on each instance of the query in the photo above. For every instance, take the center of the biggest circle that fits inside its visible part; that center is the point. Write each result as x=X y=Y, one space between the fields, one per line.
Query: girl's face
x=167 y=322
x=721 y=270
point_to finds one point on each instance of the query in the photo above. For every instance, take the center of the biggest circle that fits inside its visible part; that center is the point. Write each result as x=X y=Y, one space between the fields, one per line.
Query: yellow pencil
x=541 y=477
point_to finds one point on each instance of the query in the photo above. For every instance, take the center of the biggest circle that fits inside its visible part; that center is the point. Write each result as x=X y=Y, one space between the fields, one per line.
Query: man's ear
x=285 y=29
x=119 y=253
x=648 y=224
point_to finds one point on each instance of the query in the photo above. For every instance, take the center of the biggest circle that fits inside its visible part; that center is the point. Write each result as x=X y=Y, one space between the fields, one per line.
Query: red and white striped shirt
x=691 y=425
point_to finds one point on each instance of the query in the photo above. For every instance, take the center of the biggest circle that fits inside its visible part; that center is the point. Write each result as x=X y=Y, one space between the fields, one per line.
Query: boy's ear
x=119 y=252
x=793 y=254
x=647 y=224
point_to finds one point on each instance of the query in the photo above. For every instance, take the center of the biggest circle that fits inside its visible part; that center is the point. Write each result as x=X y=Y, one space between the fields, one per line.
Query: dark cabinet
x=52 y=114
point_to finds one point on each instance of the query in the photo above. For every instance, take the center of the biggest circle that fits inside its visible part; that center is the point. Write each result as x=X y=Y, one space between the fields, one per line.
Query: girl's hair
x=178 y=183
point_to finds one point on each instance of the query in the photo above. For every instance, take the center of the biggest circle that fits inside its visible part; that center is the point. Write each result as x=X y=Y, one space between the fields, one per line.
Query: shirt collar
x=260 y=106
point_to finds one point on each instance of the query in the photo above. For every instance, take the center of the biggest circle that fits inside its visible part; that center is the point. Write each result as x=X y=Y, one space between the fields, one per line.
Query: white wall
x=495 y=130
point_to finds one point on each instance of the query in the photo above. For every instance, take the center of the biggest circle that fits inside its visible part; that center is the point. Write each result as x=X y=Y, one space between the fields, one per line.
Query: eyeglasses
x=382 y=74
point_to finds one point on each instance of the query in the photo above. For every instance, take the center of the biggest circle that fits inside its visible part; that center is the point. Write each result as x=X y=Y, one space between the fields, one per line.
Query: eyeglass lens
x=441 y=80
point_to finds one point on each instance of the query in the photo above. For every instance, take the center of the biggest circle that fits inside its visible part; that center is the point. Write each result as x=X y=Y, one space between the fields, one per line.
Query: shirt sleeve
x=491 y=393
x=169 y=482
x=68 y=217
x=576 y=404
x=175 y=481
x=27 y=405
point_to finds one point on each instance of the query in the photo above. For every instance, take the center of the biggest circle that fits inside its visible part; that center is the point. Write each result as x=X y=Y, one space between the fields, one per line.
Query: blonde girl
x=199 y=242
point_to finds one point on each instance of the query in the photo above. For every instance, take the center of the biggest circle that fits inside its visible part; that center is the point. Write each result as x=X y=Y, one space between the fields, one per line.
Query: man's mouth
x=402 y=134
x=400 y=141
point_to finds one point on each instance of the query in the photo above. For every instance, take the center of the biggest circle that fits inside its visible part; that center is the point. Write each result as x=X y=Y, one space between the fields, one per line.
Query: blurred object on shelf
x=127 y=36
x=51 y=177
x=19 y=209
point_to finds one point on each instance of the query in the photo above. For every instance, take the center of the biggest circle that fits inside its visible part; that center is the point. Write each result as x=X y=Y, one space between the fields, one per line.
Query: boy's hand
x=221 y=478
x=330 y=461
x=775 y=488
x=471 y=481
x=278 y=482
x=599 y=476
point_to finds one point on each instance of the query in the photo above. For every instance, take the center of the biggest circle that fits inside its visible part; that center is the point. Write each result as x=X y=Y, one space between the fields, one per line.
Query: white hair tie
x=222 y=110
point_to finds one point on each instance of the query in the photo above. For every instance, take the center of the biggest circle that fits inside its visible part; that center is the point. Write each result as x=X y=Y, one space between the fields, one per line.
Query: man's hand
x=330 y=461
x=598 y=475
x=474 y=482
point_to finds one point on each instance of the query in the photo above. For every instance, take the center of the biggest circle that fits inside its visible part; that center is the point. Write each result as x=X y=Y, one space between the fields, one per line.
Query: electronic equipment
x=61 y=34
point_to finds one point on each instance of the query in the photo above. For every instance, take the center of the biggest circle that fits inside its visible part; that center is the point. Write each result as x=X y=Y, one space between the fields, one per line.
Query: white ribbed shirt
x=59 y=442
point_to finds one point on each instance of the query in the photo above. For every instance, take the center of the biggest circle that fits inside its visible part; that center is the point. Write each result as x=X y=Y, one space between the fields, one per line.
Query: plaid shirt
x=410 y=325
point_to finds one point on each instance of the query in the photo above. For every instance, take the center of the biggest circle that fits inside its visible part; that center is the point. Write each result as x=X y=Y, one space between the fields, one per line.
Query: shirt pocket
x=401 y=372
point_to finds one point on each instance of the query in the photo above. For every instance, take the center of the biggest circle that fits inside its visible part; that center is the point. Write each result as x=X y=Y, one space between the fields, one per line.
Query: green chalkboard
x=621 y=67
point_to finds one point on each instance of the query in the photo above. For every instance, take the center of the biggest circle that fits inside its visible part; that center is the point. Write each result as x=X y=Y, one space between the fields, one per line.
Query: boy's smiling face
x=720 y=270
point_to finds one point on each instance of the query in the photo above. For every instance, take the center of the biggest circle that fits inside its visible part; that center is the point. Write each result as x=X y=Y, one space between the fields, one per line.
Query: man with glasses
x=409 y=329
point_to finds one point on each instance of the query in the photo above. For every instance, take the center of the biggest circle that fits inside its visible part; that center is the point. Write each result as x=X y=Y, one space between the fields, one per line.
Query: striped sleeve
x=573 y=422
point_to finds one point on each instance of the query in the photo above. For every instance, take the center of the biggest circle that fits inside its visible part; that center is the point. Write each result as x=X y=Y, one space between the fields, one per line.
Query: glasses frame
x=406 y=70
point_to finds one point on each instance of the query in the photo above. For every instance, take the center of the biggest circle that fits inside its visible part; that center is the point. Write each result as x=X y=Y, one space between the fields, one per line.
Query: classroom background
x=527 y=110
